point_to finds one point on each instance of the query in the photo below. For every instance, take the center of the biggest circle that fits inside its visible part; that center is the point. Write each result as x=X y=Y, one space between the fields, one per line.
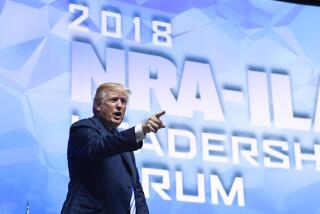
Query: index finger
x=159 y=114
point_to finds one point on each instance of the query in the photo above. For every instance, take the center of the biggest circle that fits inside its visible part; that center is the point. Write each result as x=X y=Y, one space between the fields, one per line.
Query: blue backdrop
x=239 y=80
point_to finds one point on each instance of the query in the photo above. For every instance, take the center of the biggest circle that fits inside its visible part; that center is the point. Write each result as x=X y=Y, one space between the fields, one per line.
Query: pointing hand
x=153 y=124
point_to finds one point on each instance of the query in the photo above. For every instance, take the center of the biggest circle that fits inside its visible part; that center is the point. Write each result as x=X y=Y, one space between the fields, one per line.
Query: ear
x=97 y=107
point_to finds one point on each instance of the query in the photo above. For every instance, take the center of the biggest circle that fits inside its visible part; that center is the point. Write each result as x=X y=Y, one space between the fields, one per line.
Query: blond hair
x=103 y=90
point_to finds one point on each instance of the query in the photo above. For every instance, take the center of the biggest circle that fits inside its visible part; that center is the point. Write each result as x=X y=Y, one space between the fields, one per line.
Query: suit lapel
x=126 y=156
x=127 y=162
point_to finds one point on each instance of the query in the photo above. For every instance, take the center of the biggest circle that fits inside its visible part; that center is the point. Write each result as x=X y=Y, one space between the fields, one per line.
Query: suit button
x=129 y=186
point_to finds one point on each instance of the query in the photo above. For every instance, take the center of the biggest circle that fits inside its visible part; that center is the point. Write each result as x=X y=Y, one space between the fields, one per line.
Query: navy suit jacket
x=102 y=170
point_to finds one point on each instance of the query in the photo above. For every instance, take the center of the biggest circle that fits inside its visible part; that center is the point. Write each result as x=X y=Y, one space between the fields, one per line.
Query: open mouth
x=117 y=114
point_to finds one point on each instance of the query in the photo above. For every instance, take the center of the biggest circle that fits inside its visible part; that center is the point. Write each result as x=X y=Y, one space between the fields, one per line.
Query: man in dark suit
x=103 y=174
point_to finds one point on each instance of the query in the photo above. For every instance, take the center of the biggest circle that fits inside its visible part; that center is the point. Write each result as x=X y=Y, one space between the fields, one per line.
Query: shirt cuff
x=139 y=133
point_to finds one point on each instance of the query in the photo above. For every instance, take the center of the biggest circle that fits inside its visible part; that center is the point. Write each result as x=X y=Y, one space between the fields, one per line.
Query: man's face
x=113 y=107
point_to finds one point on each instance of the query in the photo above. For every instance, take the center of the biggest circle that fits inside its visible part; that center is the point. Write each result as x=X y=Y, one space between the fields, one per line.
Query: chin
x=117 y=123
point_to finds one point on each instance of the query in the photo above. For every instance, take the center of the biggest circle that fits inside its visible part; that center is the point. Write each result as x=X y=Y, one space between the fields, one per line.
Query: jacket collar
x=101 y=125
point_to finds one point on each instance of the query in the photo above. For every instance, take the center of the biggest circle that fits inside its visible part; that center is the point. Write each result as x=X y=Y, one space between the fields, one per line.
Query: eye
x=123 y=101
x=114 y=99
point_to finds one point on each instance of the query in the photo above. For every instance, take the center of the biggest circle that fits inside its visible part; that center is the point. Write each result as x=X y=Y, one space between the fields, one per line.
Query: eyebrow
x=118 y=97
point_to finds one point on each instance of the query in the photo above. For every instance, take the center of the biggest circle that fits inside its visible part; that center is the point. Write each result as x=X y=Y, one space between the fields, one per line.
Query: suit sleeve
x=87 y=141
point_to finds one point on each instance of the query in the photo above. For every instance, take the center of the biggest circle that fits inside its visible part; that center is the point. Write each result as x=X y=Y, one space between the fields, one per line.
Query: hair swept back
x=102 y=92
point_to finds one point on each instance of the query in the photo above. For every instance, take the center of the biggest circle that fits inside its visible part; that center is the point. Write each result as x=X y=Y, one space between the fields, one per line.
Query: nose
x=119 y=104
